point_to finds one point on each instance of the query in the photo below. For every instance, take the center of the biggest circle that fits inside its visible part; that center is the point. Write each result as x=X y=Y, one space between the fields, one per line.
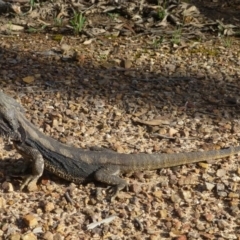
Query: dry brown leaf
x=28 y=79
x=172 y=131
x=153 y=122
x=12 y=27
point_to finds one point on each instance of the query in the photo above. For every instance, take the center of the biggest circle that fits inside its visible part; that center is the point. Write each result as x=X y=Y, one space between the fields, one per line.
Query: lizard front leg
x=109 y=175
x=37 y=162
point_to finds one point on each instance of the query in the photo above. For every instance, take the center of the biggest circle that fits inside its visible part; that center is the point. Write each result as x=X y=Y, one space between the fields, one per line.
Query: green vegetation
x=113 y=16
x=78 y=22
x=32 y=3
x=161 y=10
x=176 y=38
x=157 y=42
x=227 y=41
x=58 y=22
x=205 y=51
x=35 y=30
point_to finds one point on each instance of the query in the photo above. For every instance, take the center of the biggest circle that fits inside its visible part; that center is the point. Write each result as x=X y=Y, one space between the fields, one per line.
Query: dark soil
x=228 y=11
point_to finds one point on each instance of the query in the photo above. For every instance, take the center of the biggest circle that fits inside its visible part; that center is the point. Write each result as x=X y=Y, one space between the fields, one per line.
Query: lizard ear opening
x=22 y=133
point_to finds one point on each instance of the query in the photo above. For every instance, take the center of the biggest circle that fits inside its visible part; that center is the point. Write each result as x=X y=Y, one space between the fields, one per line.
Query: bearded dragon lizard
x=78 y=165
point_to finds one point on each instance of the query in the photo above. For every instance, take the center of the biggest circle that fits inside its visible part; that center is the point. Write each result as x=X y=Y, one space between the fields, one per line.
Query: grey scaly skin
x=79 y=165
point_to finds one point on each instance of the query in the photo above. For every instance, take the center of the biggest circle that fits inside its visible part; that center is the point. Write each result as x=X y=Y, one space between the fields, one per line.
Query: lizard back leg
x=109 y=175
x=37 y=163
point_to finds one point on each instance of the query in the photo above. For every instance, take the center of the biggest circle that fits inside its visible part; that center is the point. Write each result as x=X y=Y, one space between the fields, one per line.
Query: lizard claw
x=113 y=191
x=30 y=182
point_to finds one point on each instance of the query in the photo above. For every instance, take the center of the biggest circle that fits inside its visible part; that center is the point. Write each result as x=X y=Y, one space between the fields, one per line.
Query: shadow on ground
x=228 y=11
x=124 y=88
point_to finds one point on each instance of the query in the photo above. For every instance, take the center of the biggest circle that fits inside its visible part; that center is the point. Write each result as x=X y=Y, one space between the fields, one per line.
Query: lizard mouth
x=5 y=131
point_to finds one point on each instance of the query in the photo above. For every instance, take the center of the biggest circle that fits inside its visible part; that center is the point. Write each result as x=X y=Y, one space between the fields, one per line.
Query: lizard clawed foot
x=109 y=175
x=112 y=191
x=31 y=183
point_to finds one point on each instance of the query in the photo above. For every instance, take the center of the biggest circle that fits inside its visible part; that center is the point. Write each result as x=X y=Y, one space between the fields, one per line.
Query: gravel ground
x=132 y=93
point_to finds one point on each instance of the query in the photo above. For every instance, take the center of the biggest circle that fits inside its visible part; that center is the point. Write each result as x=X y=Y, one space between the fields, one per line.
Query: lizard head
x=8 y=129
x=9 y=126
